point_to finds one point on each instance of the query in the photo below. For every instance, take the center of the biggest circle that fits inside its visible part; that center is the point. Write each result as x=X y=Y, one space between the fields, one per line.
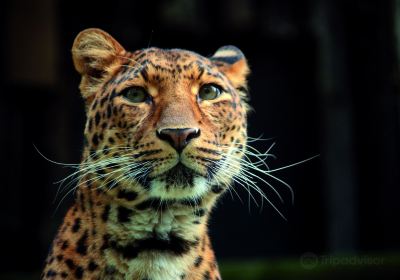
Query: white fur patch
x=157 y=266
x=159 y=189
x=225 y=53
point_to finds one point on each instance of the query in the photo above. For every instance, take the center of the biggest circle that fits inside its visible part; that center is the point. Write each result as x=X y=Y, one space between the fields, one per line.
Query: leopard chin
x=179 y=175
x=179 y=182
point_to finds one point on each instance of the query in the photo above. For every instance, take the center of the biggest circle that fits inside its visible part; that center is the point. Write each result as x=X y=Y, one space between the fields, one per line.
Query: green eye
x=209 y=92
x=135 y=94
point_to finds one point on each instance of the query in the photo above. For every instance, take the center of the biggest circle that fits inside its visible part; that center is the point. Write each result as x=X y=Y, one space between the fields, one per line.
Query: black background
x=324 y=81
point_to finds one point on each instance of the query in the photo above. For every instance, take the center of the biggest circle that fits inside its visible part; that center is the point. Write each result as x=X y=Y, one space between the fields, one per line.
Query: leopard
x=165 y=136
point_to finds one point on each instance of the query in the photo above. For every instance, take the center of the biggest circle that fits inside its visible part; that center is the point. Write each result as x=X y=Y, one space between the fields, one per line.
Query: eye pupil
x=209 y=92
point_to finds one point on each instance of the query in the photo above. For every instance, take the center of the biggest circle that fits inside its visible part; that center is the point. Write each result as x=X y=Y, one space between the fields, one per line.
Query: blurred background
x=325 y=81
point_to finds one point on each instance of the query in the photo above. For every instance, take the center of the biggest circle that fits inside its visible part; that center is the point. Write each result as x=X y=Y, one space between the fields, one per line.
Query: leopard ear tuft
x=232 y=62
x=93 y=51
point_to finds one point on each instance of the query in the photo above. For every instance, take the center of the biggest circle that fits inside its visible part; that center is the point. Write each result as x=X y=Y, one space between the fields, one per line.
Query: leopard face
x=168 y=124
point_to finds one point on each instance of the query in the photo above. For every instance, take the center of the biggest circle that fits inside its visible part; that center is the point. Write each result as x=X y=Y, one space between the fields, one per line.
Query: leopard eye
x=209 y=92
x=135 y=94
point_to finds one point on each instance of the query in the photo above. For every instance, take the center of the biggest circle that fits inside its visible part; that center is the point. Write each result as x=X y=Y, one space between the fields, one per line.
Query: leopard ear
x=93 y=52
x=232 y=62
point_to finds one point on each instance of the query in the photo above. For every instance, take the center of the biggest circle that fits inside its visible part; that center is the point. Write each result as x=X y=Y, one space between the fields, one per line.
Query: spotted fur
x=141 y=207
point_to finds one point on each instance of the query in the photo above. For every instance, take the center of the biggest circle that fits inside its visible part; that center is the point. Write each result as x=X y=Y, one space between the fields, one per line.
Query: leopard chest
x=156 y=243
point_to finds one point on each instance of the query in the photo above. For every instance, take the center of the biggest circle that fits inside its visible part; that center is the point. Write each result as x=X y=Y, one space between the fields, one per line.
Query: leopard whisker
x=128 y=58
x=242 y=179
x=124 y=171
x=252 y=174
x=267 y=173
x=261 y=157
x=131 y=171
x=237 y=178
x=244 y=183
x=93 y=168
x=226 y=183
x=245 y=175
x=89 y=171
x=293 y=164
x=257 y=139
x=128 y=66
x=248 y=164
x=101 y=164
x=56 y=162
x=88 y=164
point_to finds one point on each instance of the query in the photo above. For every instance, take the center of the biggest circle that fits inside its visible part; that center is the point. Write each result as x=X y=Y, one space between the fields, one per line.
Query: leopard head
x=168 y=124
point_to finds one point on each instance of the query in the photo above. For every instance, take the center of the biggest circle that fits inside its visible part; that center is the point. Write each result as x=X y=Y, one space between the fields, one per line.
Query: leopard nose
x=178 y=137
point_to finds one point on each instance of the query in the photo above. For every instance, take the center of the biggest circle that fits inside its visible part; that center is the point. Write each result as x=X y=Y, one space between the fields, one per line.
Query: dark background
x=324 y=81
